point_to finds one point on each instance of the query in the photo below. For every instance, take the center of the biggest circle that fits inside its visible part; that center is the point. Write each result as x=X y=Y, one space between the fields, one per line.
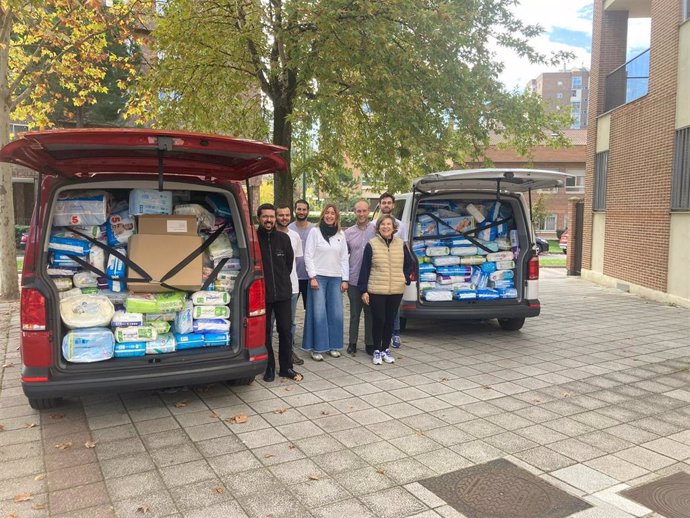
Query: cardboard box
x=167 y=225
x=158 y=254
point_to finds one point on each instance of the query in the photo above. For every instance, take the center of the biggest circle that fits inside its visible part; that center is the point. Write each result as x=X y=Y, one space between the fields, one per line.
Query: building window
x=600 y=174
x=680 y=188
x=577 y=82
x=559 y=95
x=549 y=224
x=560 y=83
x=686 y=9
x=574 y=184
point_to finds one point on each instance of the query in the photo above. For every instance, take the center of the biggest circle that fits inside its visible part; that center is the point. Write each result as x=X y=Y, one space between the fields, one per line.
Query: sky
x=567 y=26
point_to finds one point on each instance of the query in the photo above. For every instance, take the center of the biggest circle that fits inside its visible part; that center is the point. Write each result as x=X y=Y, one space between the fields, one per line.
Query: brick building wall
x=640 y=151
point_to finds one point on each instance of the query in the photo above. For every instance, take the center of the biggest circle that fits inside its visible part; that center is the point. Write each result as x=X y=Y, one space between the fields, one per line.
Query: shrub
x=18 y=231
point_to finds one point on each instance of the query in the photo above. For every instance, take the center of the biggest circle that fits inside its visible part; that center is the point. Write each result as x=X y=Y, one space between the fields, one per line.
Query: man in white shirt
x=302 y=227
x=386 y=204
x=283 y=217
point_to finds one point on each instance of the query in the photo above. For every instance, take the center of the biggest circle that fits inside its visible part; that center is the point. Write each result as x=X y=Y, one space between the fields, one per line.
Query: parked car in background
x=542 y=244
x=563 y=242
x=23 y=240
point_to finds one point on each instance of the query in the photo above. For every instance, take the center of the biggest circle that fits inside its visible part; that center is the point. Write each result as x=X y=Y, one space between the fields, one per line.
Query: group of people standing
x=369 y=261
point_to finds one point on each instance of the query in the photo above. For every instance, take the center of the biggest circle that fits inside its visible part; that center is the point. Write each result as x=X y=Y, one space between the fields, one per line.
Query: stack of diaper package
x=453 y=267
x=103 y=318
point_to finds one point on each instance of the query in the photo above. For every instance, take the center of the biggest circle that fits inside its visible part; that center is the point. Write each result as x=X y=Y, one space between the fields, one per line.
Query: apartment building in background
x=565 y=90
x=636 y=219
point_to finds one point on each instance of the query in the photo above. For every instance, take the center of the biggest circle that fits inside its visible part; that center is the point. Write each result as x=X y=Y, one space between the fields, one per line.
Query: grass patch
x=20 y=264
x=552 y=261
x=553 y=247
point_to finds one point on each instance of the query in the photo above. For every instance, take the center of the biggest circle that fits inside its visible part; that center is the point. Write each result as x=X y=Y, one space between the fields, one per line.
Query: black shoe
x=270 y=374
x=352 y=349
x=290 y=373
x=296 y=360
x=369 y=349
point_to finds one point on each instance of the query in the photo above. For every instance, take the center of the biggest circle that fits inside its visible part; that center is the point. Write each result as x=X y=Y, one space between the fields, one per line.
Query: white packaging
x=446 y=260
x=80 y=208
x=505 y=265
x=436 y=251
x=220 y=248
x=184 y=319
x=472 y=259
x=97 y=258
x=63 y=283
x=85 y=280
x=474 y=211
x=74 y=292
x=124 y=319
x=154 y=317
x=438 y=295
x=165 y=343
x=83 y=311
x=463 y=250
x=211 y=312
x=504 y=243
x=500 y=256
x=149 y=201
x=135 y=334
x=203 y=217
x=211 y=298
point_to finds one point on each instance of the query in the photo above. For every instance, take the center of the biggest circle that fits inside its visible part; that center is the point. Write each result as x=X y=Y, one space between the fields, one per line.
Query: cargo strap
x=198 y=251
x=468 y=233
x=214 y=273
x=113 y=251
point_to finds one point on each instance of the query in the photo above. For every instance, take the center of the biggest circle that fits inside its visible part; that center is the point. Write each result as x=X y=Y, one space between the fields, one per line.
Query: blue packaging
x=115 y=268
x=504 y=283
x=465 y=294
x=454 y=270
x=88 y=345
x=219 y=205
x=130 y=349
x=219 y=325
x=426 y=267
x=488 y=267
x=189 y=341
x=68 y=245
x=119 y=228
x=487 y=294
x=216 y=339
x=81 y=209
x=507 y=293
x=149 y=201
x=62 y=260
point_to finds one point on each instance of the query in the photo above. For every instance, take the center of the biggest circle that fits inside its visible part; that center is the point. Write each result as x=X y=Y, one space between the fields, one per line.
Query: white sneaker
x=334 y=353
x=387 y=356
x=376 y=360
x=317 y=357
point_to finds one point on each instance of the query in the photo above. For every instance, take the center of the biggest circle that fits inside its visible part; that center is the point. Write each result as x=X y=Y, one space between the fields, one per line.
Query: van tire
x=241 y=381
x=403 y=324
x=511 y=324
x=43 y=404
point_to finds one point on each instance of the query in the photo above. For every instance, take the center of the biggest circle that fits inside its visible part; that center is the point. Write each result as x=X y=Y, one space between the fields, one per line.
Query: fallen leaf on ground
x=381 y=471
x=269 y=456
x=31 y=425
x=37 y=507
x=313 y=477
x=536 y=401
x=444 y=379
x=10 y=516
x=7 y=365
x=239 y=419
x=55 y=417
x=219 y=490
x=292 y=446
x=64 y=445
x=181 y=404
x=486 y=387
x=144 y=508
x=288 y=389
x=40 y=477
x=214 y=415
x=90 y=444
x=325 y=412
x=22 y=497
x=565 y=394
x=280 y=411
x=2 y=427
x=419 y=433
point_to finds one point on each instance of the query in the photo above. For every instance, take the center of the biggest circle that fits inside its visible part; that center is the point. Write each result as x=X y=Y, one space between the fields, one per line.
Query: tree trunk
x=9 y=288
x=282 y=135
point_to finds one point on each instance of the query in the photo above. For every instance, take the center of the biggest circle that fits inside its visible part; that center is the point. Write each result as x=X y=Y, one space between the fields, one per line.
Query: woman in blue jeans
x=327 y=263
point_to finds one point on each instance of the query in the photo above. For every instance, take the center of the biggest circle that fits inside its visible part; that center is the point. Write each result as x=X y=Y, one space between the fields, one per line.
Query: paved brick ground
x=593 y=396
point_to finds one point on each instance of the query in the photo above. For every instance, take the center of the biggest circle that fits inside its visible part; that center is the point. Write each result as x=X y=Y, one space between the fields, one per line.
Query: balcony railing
x=628 y=82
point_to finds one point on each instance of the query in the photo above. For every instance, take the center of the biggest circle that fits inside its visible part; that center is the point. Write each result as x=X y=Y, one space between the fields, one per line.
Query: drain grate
x=669 y=496
x=500 y=489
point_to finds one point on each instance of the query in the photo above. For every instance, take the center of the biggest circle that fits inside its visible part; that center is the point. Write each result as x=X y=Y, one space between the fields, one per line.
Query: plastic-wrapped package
x=120 y=227
x=135 y=334
x=427 y=276
x=161 y=326
x=446 y=260
x=68 y=245
x=130 y=349
x=500 y=256
x=149 y=201
x=438 y=295
x=221 y=247
x=219 y=205
x=97 y=258
x=165 y=317
x=165 y=343
x=210 y=298
x=85 y=280
x=455 y=225
x=472 y=260
x=454 y=270
x=424 y=267
x=426 y=285
x=125 y=319
x=216 y=339
x=166 y=302
x=79 y=208
x=86 y=311
x=116 y=286
x=96 y=232
x=488 y=267
x=74 y=292
x=503 y=284
x=437 y=251
x=462 y=286
x=116 y=267
x=88 y=345
x=189 y=341
x=507 y=293
x=463 y=294
x=61 y=272
x=463 y=250
x=491 y=245
x=232 y=266
x=170 y=301
x=504 y=243
x=479 y=279
x=420 y=252
x=426 y=226
x=211 y=312
x=203 y=217
x=487 y=294
x=91 y=291
x=501 y=274
x=505 y=265
x=514 y=243
x=183 y=319
x=114 y=297
x=451 y=279
x=60 y=260
x=219 y=325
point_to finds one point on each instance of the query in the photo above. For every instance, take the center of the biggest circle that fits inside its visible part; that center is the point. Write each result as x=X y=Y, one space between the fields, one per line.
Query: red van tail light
x=257 y=298
x=533 y=269
x=255 y=323
x=33 y=310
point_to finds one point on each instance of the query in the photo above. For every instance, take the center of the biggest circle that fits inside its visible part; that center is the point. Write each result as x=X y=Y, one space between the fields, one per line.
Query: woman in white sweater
x=327 y=262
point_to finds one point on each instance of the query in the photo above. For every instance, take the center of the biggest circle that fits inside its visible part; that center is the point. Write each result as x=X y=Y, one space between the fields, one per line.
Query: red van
x=194 y=169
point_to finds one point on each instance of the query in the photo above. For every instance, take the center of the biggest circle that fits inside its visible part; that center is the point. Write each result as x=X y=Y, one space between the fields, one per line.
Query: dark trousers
x=282 y=310
x=383 y=311
x=356 y=308
x=303 y=290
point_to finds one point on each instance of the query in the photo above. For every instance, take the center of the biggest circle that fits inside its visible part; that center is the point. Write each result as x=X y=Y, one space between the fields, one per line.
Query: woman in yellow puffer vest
x=387 y=266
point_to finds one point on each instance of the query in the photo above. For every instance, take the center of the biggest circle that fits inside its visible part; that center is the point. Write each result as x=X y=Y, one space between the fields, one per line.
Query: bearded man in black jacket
x=277 y=258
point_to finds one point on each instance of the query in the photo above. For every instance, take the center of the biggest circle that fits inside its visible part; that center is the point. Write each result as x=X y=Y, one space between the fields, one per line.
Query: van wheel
x=241 y=381
x=43 y=404
x=403 y=324
x=511 y=324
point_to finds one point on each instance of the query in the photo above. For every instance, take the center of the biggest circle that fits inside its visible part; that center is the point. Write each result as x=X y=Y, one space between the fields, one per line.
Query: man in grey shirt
x=302 y=227
x=357 y=237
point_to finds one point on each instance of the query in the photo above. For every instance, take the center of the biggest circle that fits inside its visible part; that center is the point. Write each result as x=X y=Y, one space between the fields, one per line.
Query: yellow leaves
x=64 y=445
x=144 y=508
x=90 y=444
x=56 y=417
x=239 y=419
x=22 y=497
x=181 y=404
x=219 y=490
x=313 y=477
x=280 y=411
x=40 y=477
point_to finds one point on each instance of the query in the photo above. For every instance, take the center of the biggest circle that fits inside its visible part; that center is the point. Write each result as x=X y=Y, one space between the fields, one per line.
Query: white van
x=472 y=233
